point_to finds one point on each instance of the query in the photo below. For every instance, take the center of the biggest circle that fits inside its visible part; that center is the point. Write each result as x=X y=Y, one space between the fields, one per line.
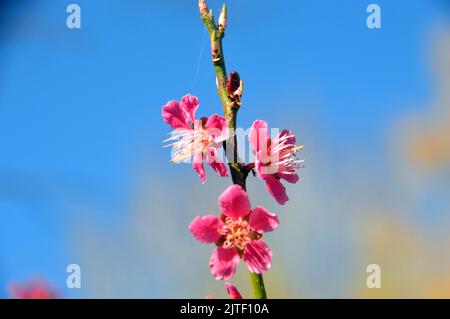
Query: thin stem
x=258 y=286
x=239 y=172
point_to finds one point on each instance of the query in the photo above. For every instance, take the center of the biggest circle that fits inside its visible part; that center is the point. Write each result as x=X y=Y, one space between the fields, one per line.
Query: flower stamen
x=237 y=233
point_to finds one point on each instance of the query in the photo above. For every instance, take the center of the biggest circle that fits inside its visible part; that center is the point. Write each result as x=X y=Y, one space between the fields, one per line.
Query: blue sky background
x=80 y=109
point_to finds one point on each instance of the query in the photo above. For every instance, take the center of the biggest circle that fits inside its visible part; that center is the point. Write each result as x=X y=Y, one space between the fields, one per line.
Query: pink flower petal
x=262 y=165
x=262 y=220
x=233 y=291
x=259 y=136
x=190 y=105
x=257 y=256
x=276 y=189
x=290 y=178
x=220 y=168
x=290 y=140
x=217 y=128
x=223 y=263
x=175 y=116
x=215 y=163
x=197 y=164
x=259 y=166
x=234 y=202
x=206 y=229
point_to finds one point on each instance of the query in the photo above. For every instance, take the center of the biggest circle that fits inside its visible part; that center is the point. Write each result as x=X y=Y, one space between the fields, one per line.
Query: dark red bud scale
x=233 y=83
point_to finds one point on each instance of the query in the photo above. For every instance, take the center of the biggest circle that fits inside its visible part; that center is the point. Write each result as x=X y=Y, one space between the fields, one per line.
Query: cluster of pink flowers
x=238 y=233
x=199 y=140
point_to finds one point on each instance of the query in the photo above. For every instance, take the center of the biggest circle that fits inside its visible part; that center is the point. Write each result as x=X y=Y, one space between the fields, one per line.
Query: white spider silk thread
x=199 y=63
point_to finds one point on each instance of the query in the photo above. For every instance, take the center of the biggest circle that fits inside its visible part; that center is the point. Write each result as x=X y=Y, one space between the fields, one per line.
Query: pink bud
x=233 y=82
x=202 y=7
x=232 y=291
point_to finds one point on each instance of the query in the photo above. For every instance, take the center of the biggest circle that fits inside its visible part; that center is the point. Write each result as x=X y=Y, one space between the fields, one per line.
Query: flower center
x=237 y=233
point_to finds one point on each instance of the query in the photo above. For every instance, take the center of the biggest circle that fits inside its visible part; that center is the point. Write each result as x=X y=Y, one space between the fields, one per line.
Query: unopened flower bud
x=233 y=291
x=233 y=83
x=240 y=91
x=202 y=7
x=223 y=18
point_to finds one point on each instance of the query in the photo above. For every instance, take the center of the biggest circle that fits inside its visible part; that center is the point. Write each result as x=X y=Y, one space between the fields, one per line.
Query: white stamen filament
x=187 y=143
x=283 y=155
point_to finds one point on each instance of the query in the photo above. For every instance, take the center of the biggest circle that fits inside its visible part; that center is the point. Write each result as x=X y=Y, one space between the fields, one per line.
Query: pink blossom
x=196 y=140
x=35 y=289
x=238 y=234
x=275 y=159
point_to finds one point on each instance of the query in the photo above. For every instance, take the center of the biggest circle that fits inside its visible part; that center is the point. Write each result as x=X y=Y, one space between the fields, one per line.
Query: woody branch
x=230 y=90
